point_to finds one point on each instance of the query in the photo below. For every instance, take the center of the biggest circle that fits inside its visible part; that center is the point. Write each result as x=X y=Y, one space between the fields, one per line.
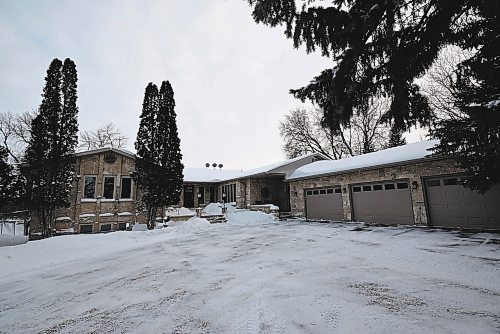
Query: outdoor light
x=199 y=195
x=414 y=185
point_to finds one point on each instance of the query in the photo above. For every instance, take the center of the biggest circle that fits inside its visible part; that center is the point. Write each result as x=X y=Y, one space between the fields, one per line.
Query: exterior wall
x=99 y=211
x=414 y=173
x=197 y=190
x=278 y=194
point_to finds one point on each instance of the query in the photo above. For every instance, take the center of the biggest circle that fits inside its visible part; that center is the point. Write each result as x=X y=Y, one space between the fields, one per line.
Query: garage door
x=324 y=203
x=452 y=205
x=385 y=203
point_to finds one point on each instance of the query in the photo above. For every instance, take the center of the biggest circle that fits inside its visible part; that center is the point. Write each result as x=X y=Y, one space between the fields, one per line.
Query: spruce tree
x=158 y=171
x=49 y=155
x=169 y=145
x=7 y=182
x=379 y=48
x=396 y=138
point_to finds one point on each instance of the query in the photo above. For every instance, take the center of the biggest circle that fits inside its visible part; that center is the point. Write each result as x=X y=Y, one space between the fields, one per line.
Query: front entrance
x=189 y=196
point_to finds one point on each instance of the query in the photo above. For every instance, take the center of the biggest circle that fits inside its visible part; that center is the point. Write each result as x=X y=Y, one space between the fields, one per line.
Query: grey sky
x=230 y=76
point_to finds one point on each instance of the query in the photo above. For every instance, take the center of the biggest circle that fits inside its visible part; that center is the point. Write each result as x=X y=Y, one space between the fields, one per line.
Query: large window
x=126 y=188
x=89 y=187
x=108 y=191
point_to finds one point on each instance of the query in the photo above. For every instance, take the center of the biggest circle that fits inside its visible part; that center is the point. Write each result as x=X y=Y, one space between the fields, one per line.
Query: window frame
x=104 y=199
x=89 y=199
x=131 y=198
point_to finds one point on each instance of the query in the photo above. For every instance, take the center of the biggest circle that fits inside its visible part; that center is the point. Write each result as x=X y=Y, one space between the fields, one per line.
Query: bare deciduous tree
x=302 y=133
x=437 y=83
x=105 y=136
x=15 y=132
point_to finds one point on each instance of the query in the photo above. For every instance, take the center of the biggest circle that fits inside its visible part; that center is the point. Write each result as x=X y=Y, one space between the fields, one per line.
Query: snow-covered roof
x=105 y=149
x=395 y=155
x=220 y=175
x=210 y=174
x=275 y=168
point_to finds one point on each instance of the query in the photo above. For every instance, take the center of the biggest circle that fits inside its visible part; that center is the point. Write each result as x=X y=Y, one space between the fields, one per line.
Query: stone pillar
x=346 y=201
x=417 y=199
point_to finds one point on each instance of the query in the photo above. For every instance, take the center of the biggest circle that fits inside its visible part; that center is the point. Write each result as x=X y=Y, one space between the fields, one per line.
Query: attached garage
x=452 y=205
x=384 y=202
x=324 y=203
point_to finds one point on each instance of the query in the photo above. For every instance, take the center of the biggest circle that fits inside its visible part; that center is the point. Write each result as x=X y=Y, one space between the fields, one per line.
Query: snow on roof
x=393 y=155
x=273 y=167
x=210 y=174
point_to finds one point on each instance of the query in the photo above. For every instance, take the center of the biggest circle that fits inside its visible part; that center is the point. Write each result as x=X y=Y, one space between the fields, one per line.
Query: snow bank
x=140 y=227
x=249 y=217
x=403 y=153
x=12 y=240
x=213 y=209
x=179 y=212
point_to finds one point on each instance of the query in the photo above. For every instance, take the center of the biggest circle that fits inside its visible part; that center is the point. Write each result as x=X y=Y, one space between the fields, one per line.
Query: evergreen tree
x=49 y=155
x=475 y=138
x=379 y=48
x=158 y=170
x=169 y=145
x=396 y=138
x=7 y=190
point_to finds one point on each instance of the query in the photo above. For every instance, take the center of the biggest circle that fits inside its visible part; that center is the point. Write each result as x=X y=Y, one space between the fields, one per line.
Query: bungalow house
x=105 y=198
x=401 y=185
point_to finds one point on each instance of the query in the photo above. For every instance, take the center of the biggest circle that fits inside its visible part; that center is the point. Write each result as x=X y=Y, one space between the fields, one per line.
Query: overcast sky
x=230 y=76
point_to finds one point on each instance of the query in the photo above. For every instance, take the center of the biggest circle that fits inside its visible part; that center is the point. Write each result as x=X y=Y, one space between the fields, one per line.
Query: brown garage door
x=452 y=205
x=324 y=203
x=385 y=202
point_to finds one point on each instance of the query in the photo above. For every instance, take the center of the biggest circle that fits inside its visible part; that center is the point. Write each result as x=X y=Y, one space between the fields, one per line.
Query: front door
x=188 y=196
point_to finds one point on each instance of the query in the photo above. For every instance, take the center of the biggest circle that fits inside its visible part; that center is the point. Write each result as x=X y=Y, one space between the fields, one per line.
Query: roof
x=209 y=174
x=277 y=168
x=390 y=156
x=106 y=149
x=218 y=175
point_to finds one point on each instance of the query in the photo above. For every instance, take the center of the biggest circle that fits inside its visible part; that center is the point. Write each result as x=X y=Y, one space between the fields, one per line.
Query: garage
x=385 y=202
x=452 y=205
x=324 y=203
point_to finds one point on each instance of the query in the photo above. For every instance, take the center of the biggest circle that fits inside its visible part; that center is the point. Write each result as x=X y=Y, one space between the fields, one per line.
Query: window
x=105 y=227
x=450 y=182
x=322 y=192
x=433 y=183
x=108 y=191
x=338 y=190
x=329 y=191
x=86 y=228
x=356 y=189
x=315 y=192
x=377 y=187
x=126 y=188
x=402 y=185
x=309 y=192
x=89 y=187
x=122 y=226
x=367 y=188
x=389 y=186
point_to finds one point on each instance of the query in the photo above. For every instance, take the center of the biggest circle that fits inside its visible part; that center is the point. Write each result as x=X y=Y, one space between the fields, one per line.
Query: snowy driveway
x=259 y=278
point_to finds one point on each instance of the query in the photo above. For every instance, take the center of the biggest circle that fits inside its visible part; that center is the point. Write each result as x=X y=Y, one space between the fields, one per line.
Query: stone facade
x=414 y=172
x=99 y=213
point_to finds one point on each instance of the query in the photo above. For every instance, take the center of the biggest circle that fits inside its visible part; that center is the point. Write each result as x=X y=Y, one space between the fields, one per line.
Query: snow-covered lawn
x=260 y=277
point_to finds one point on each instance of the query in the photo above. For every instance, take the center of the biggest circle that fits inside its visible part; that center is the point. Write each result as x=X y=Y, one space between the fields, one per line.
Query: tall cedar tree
x=158 y=170
x=9 y=182
x=379 y=47
x=49 y=155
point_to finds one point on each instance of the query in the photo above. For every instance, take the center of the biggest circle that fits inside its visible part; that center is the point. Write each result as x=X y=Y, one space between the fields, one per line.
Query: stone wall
x=414 y=173
x=94 y=213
